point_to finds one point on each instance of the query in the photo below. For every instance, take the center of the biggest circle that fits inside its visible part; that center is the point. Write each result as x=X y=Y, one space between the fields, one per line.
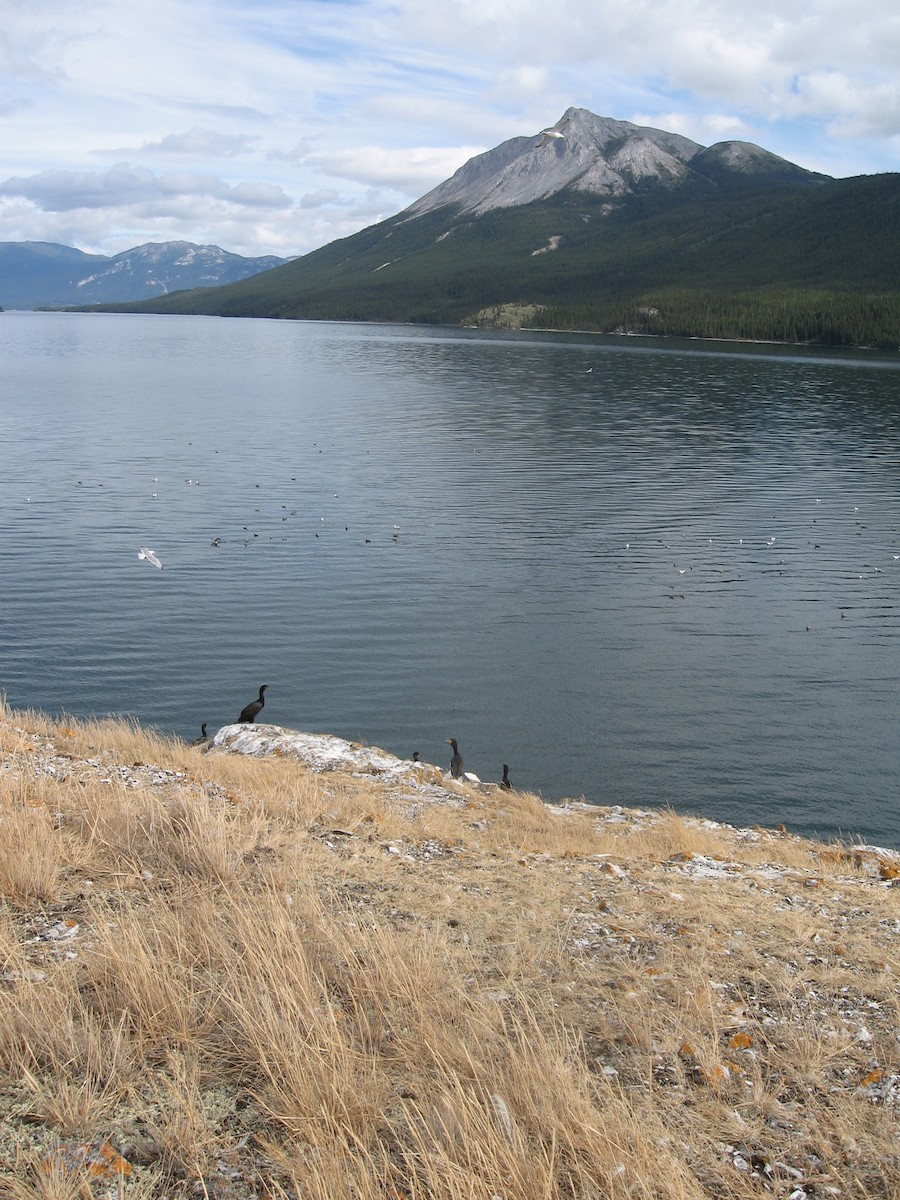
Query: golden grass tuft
x=32 y=876
x=248 y=980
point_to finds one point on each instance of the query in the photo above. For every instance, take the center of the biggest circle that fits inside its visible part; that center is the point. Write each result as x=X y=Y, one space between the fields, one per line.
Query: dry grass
x=233 y=978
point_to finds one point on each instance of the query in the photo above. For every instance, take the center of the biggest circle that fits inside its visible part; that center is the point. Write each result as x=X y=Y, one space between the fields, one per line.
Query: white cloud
x=59 y=191
x=305 y=116
x=705 y=128
x=516 y=86
x=297 y=154
x=202 y=143
x=319 y=199
x=413 y=170
x=850 y=110
x=12 y=104
x=257 y=195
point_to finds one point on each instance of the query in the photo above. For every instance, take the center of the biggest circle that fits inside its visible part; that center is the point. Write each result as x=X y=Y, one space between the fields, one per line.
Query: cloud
x=256 y=195
x=12 y=104
x=319 y=199
x=229 y=112
x=293 y=119
x=297 y=154
x=744 y=52
x=60 y=191
x=512 y=87
x=705 y=128
x=123 y=184
x=413 y=170
x=853 y=111
x=202 y=143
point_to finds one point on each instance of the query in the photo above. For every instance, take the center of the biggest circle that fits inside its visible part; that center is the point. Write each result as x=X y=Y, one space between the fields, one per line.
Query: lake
x=643 y=572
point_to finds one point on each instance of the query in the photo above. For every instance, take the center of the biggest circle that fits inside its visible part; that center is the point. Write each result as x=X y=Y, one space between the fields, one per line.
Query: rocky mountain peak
x=598 y=155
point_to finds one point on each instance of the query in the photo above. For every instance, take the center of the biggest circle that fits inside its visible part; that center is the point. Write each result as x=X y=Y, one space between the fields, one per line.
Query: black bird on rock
x=203 y=738
x=504 y=782
x=456 y=762
x=252 y=711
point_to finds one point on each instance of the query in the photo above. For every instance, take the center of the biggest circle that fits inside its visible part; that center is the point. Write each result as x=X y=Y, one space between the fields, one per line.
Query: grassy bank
x=232 y=977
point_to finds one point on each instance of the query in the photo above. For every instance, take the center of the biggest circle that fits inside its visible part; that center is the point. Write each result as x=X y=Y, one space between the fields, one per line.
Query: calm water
x=647 y=573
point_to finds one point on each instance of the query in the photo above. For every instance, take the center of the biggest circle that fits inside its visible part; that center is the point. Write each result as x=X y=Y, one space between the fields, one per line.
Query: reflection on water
x=646 y=573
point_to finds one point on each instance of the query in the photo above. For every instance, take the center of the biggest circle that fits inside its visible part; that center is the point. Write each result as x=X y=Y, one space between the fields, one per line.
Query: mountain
x=598 y=224
x=597 y=156
x=46 y=275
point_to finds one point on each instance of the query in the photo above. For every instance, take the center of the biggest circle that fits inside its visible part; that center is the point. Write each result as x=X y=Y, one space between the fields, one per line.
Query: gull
x=148 y=554
x=550 y=135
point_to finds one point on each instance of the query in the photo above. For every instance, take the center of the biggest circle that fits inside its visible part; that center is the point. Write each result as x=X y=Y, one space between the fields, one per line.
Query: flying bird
x=254 y=708
x=550 y=135
x=148 y=554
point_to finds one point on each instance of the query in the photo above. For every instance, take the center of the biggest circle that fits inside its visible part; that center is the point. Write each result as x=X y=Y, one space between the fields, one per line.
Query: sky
x=277 y=126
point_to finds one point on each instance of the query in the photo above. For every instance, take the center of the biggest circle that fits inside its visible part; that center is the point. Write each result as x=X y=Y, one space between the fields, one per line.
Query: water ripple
x=671 y=580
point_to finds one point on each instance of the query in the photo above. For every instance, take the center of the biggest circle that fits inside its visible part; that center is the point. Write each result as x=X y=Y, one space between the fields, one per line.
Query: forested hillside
x=818 y=264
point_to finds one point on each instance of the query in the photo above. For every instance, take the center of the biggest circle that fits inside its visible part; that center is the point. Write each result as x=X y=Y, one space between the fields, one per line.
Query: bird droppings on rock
x=324 y=752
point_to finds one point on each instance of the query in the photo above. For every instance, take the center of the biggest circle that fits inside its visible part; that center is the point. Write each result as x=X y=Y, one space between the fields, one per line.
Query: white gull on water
x=148 y=554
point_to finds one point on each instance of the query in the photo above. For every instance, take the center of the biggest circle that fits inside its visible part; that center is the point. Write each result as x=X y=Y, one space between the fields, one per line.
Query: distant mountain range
x=598 y=224
x=46 y=275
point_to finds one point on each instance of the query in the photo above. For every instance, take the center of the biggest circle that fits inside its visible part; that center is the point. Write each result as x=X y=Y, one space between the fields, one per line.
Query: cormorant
x=416 y=756
x=456 y=762
x=203 y=738
x=252 y=711
x=504 y=782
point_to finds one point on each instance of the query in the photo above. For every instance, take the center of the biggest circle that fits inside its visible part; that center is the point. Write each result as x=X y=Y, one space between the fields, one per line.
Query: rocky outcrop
x=325 y=752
